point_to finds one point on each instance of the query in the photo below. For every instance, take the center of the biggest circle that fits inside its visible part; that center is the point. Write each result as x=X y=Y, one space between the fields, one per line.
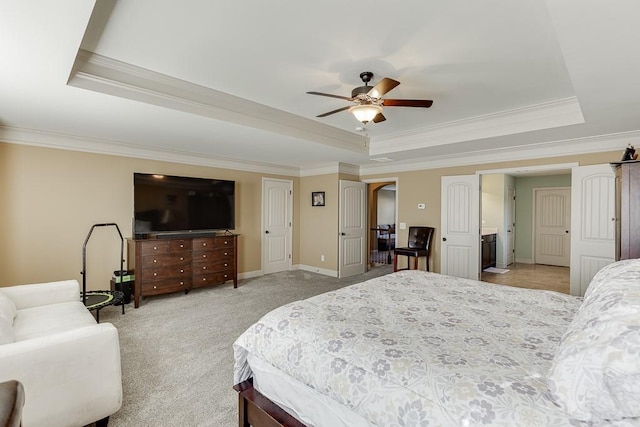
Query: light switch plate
x=403 y=226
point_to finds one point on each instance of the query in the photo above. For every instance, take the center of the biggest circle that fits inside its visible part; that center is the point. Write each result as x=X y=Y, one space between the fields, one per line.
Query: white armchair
x=69 y=365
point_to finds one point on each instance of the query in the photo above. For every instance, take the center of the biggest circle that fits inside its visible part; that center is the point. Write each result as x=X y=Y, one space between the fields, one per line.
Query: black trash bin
x=126 y=285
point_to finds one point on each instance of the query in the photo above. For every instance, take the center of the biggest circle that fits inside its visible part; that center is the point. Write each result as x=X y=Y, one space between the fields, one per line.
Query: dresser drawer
x=166 y=285
x=213 y=265
x=213 y=254
x=207 y=279
x=165 y=260
x=154 y=248
x=212 y=243
x=156 y=274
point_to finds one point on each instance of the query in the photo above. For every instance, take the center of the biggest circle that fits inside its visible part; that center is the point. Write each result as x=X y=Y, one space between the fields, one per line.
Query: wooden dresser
x=627 y=209
x=170 y=265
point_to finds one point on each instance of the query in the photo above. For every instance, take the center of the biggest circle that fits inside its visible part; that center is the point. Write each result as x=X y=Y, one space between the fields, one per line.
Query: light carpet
x=176 y=349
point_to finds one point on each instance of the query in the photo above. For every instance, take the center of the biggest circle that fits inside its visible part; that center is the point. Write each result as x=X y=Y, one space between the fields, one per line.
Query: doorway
x=383 y=211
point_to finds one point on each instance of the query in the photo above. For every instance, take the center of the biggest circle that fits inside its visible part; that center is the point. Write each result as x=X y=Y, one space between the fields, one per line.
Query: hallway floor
x=534 y=276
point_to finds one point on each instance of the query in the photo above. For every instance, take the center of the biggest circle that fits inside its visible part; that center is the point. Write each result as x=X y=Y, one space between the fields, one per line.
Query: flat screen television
x=170 y=205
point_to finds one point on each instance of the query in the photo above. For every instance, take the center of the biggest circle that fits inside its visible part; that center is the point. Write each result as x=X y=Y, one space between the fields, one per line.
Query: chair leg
x=415 y=263
x=395 y=263
x=103 y=422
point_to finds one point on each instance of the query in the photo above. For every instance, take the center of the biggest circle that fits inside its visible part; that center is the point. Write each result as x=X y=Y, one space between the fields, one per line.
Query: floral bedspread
x=421 y=349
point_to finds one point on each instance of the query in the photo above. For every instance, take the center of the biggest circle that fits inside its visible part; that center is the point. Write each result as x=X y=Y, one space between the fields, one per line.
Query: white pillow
x=595 y=374
x=7 y=308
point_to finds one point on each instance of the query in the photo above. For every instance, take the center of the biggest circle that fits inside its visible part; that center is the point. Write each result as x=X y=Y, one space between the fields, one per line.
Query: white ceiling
x=210 y=82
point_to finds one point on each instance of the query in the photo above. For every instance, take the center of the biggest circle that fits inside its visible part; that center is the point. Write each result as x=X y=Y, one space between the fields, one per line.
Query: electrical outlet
x=421 y=206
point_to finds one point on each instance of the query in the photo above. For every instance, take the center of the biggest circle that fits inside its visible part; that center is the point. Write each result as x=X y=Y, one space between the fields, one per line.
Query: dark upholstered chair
x=11 y=403
x=419 y=246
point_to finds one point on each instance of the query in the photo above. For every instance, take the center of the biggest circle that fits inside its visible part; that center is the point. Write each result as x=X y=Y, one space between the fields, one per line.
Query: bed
x=421 y=349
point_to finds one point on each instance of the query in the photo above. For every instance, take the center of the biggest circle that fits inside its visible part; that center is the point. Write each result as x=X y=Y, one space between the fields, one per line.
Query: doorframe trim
x=262 y=227
x=375 y=181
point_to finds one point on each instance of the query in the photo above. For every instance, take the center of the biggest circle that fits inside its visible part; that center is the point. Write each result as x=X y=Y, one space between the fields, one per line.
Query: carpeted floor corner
x=177 y=355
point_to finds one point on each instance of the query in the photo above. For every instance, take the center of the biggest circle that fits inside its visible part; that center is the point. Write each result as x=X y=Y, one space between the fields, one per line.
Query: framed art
x=317 y=198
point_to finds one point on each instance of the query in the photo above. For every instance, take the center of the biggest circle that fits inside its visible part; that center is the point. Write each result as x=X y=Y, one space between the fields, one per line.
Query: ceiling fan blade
x=379 y=118
x=330 y=95
x=384 y=86
x=424 y=103
x=334 y=111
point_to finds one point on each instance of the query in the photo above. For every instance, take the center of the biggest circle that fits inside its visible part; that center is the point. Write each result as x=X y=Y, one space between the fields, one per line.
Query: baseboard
x=324 y=271
x=250 y=274
x=524 y=260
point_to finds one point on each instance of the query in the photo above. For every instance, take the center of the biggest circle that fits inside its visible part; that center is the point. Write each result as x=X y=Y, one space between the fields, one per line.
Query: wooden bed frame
x=254 y=409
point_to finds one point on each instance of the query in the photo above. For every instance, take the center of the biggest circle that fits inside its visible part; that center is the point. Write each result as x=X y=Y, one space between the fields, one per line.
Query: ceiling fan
x=369 y=101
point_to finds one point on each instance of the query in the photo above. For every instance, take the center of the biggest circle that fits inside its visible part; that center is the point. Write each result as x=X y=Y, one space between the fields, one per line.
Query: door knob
x=266 y=232
x=444 y=239
x=343 y=234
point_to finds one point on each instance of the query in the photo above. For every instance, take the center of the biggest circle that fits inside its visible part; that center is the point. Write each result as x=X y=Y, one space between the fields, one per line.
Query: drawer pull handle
x=204 y=268
x=225 y=264
x=204 y=279
x=182 y=283
x=204 y=256
x=225 y=254
x=225 y=276
x=155 y=274
x=181 y=258
x=155 y=248
x=226 y=243
x=155 y=260
x=204 y=244
x=181 y=245
x=181 y=271
x=155 y=287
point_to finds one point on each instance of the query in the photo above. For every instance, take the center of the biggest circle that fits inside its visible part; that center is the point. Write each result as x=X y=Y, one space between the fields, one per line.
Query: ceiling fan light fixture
x=365 y=112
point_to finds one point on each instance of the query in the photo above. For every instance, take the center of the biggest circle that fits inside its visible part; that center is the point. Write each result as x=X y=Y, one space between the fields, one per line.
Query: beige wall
x=319 y=224
x=424 y=187
x=50 y=198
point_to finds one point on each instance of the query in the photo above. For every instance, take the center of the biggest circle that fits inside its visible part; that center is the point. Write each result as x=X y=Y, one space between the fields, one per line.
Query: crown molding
x=110 y=76
x=330 y=168
x=567 y=147
x=546 y=115
x=62 y=141
x=592 y=144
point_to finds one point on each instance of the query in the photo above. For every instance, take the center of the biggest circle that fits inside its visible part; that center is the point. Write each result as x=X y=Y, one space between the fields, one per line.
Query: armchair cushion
x=51 y=319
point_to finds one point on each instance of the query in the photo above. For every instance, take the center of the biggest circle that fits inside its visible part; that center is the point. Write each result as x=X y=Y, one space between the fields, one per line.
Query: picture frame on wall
x=317 y=198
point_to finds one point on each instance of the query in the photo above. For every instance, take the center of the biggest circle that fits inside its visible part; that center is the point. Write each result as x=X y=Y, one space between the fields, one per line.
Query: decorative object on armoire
x=629 y=154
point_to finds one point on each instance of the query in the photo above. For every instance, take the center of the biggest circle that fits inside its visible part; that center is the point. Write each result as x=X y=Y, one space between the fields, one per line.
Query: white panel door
x=276 y=219
x=592 y=223
x=460 y=224
x=552 y=225
x=352 y=226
